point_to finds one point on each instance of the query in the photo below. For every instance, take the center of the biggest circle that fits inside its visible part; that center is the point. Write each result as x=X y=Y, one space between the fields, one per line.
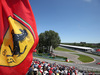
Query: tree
x=48 y=39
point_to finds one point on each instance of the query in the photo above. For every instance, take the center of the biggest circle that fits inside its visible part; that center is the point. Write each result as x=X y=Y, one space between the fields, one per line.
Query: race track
x=72 y=57
x=92 y=66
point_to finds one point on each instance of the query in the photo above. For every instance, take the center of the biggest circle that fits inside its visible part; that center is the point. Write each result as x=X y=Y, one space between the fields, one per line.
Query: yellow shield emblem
x=17 y=42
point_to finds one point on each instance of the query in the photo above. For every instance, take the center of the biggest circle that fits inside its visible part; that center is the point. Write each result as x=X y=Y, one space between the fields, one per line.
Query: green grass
x=71 y=61
x=85 y=58
x=46 y=55
x=62 y=57
x=63 y=49
x=54 y=60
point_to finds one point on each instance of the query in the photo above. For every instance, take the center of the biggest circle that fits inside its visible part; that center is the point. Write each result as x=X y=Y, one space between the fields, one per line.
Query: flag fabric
x=18 y=37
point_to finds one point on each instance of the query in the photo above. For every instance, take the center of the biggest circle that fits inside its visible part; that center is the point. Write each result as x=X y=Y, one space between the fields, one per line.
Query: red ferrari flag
x=18 y=36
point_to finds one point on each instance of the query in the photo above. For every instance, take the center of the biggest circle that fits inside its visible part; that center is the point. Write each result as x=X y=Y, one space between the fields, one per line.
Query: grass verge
x=85 y=58
x=54 y=60
x=63 y=49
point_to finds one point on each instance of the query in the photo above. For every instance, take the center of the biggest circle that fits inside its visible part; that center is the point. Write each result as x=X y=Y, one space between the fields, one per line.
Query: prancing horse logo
x=17 y=42
x=16 y=39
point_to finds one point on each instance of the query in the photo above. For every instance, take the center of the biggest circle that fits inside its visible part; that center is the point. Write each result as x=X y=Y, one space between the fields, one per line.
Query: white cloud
x=88 y=0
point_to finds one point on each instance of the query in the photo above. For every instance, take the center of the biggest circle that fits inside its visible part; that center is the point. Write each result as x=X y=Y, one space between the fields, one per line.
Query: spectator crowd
x=44 y=68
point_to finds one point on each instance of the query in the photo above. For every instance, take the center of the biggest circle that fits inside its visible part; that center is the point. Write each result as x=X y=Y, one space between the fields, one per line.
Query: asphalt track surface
x=92 y=66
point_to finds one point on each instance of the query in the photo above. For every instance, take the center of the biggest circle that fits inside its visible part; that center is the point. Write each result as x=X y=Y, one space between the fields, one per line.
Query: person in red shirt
x=68 y=72
x=39 y=68
x=50 y=72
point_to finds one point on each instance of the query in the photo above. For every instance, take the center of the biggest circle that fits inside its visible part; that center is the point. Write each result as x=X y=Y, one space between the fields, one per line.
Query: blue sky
x=74 y=20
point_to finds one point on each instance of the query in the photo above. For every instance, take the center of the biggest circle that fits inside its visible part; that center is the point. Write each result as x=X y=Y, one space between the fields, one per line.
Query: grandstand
x=78 y=48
